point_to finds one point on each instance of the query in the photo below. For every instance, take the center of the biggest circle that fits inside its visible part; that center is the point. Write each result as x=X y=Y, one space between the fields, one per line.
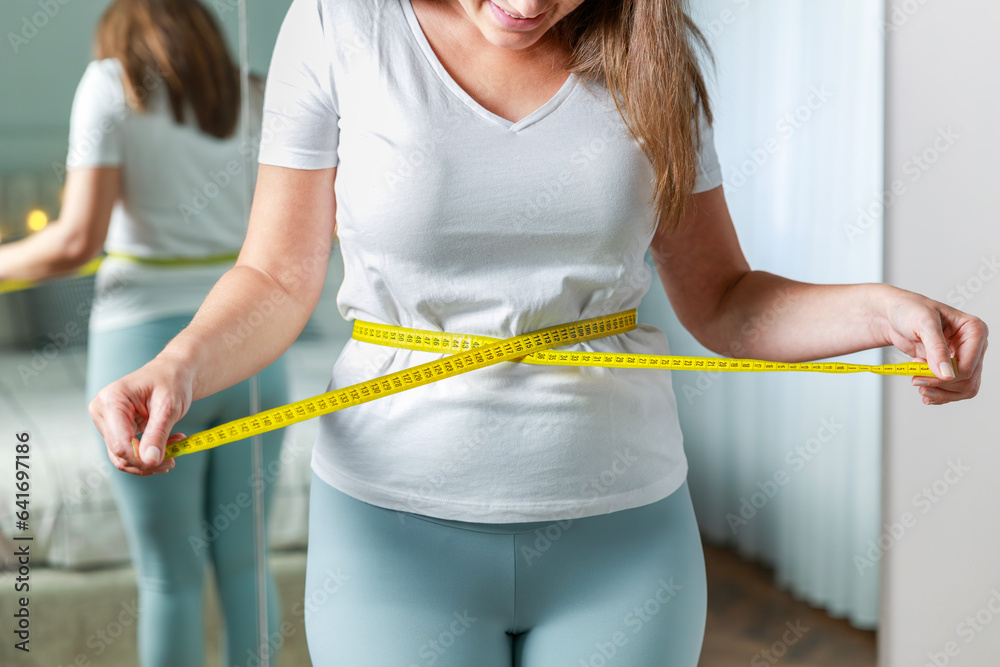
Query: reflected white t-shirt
x=182 y=195
x=451 y=218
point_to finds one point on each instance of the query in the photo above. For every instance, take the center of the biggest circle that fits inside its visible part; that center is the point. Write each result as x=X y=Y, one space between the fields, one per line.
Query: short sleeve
x=709 y=169
x=95 y=126
x=300 y=120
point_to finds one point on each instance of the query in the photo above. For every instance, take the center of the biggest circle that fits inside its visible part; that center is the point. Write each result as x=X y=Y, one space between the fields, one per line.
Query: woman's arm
x=71 y=241
x=737 y=312
x=251 y=316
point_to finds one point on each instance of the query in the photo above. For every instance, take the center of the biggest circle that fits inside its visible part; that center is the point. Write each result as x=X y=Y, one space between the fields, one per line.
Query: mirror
x=84 y=589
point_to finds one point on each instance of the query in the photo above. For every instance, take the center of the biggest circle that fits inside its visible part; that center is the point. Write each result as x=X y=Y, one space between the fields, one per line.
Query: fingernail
x=151 y=456
x=946 y=370
x=921 y=383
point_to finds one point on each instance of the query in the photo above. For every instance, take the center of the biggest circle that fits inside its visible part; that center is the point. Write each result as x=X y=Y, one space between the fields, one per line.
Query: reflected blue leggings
x=386 y=588
x=198 y=513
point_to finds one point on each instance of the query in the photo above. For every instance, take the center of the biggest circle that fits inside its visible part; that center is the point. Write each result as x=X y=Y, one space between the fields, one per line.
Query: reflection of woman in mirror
x=155 y=177
x=477 y=161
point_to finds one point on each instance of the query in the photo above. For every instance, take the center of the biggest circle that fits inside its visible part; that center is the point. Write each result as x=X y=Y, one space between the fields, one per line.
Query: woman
x=155 y=174
x=496 y=168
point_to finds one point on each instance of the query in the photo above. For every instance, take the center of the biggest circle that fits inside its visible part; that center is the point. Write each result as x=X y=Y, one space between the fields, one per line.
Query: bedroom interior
x=791 y=561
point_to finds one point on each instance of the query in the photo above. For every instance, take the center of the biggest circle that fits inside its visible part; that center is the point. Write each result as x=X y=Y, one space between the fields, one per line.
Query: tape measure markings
x=468 y=352
x=430 y=341
x=462 y=362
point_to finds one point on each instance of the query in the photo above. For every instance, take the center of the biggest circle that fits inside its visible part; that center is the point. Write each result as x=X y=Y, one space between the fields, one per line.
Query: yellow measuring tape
x=90 y=268
x=7 y=286
x=468 y=352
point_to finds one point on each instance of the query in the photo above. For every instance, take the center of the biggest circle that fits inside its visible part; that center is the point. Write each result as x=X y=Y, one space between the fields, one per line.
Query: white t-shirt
x=182 y=195
x=451 y=218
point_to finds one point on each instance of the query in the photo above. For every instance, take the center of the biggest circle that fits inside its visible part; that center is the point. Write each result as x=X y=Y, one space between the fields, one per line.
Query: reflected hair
x=646 y=54
x=179 y=43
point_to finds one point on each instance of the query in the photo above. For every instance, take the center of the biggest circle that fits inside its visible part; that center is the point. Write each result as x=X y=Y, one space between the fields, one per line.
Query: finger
x=964 y=388
x=924 y=380
x=971 y=347
x=154 y=437
x=936 y=350
x=114 y=422
x=950 y=385
x=125 y=466
x=940 y=396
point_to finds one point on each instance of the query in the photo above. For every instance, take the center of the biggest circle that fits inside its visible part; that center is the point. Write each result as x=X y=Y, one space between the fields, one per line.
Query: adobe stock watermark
x=221 y=178
x=967 y=290
x=223 y=7
x=86 y=486
x=94 y=137
x=416 y=156
x=436 y=478
x=968 y=629
x=923 y=501
x=786 y=127
x=217 y=181
x=779 y=649
x=594 y=487
x=796 y=458
x=58 y=341
x=900 y=14
x=229 y=512
x=914 y=168
x=533 y=204
x=726 y=18
x=635 y=620
x=37 y=21
x=432 y=649
x=289 y=277
x=751 y=331
x=101 y=640
x=316 y=598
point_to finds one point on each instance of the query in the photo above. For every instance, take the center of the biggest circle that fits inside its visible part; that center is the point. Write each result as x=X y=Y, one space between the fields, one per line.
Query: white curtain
x=786 y=467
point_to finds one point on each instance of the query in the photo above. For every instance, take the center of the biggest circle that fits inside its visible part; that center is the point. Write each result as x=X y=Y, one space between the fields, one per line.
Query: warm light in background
x=37 y=219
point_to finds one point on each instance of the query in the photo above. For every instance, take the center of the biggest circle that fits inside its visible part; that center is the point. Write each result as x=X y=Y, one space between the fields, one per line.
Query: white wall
x=942 y=65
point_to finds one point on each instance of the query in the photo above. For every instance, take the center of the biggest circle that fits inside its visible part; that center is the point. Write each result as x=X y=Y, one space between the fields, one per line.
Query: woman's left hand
x=933 y=332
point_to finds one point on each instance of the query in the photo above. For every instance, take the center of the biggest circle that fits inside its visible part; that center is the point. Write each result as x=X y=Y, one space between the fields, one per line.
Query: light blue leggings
x=395 y=589
x=198 y=513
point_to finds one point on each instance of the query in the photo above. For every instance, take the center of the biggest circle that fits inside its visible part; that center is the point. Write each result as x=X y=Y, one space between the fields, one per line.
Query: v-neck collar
x=459 y=92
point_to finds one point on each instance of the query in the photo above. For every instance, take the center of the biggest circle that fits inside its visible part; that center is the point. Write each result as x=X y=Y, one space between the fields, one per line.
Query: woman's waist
x=498 y=315
x=642 y=339
x=361 y=361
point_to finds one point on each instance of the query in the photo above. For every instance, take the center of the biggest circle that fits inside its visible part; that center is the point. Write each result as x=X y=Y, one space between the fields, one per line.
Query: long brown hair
x=644 y=51
x=176 y=42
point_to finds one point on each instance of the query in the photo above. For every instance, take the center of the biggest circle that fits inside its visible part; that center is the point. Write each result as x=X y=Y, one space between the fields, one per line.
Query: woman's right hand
x=148 y=401
x=282 y=265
